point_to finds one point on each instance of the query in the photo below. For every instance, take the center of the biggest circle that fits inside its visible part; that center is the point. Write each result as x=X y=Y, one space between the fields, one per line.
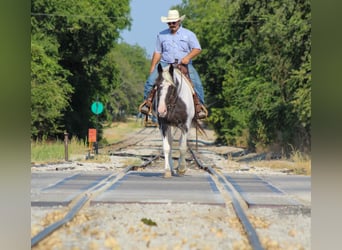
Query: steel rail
x=82 y=199
x=79 y=201
x=126 y=142
x=53 y=227
x=248 y=227
x=87 y=195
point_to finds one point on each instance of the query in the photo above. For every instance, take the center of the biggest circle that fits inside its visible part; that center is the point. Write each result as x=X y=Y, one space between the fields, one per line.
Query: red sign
x=92 y=135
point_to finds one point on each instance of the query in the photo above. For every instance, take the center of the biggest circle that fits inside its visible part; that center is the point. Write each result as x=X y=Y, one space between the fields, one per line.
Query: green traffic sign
x=97 y=108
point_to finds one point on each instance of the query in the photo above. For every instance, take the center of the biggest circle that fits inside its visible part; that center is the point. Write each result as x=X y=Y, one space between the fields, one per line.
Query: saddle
x=184 y=69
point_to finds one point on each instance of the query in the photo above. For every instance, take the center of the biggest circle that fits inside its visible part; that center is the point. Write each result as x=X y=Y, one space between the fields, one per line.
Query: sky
x=146 y=22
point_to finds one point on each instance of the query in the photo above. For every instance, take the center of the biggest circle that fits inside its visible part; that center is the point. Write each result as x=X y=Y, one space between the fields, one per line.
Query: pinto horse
x=174 y=107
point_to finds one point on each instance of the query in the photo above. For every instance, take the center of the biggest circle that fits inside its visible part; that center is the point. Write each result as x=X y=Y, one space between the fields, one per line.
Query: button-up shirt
x=176 y=46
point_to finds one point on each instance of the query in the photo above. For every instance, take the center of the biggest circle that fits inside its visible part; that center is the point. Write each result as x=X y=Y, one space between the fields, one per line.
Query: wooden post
x=66 y=154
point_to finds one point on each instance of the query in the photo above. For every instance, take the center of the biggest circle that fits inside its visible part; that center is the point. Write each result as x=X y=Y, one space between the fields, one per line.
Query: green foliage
x=43 y=151
x=133 y=65
x=255 y=65
x=256 y=68
x=50 y=90
x=75 y=36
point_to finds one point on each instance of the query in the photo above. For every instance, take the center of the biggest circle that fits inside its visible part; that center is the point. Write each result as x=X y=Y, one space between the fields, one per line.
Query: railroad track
x=131 y=140
x=100 y=187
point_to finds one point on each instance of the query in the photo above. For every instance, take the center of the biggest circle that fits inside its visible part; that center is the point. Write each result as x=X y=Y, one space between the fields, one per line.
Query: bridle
x=173 y=95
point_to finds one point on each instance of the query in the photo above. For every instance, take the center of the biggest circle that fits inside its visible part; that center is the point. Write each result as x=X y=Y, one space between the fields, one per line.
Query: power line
x=122 y=17
x=79 y=16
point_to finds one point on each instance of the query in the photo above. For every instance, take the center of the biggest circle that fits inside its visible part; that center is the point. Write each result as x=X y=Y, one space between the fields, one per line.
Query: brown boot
x=146 y=107
x=201 y=111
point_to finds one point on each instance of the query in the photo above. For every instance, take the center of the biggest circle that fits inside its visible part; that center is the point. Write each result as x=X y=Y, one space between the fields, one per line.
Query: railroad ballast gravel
x=169 y=226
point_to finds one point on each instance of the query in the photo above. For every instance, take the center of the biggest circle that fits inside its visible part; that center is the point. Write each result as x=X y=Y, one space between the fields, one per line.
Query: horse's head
x=166 y=87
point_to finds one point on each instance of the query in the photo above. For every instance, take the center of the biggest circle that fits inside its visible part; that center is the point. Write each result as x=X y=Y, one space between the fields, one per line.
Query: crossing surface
x=59 y=188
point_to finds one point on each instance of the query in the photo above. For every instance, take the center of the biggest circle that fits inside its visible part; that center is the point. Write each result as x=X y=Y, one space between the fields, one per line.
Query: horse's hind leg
x=182 y=153
x=167 y=147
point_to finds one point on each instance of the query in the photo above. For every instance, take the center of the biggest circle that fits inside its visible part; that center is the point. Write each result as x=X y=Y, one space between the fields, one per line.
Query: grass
x=302 y=162
x=298 y=168
x=54 y=151
x=298 y=163
x=117 y=131
x=48 y=151
x=44 y=151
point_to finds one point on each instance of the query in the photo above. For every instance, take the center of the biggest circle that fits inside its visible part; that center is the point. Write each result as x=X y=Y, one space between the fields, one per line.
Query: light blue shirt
x=176 y=46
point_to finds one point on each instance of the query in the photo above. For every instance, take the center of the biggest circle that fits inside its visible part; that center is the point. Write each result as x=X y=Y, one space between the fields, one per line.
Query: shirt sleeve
x=193 y=41
x=158 y=47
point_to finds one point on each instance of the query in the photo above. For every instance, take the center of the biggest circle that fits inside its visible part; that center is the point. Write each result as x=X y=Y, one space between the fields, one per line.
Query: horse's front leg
x=167 y=147
x=182 y=153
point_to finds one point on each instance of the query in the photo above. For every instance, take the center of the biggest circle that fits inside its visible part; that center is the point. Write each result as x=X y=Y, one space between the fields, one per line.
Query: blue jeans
x=193 y=76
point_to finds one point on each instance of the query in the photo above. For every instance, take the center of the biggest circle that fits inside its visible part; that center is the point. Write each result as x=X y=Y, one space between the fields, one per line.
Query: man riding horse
x=175 y=44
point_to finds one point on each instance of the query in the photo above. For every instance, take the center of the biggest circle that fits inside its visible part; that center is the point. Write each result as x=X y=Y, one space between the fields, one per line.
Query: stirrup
x=144 y=108
x=202 y=114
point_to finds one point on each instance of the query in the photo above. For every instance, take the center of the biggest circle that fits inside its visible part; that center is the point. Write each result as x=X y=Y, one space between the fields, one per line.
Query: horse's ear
x=160 y=68
x=171 y=70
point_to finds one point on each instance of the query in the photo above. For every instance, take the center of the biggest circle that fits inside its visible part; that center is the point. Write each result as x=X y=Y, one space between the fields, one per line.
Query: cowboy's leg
x=197 y=82
x=150 y=82
x=201 y=111
x=145 y=107
x=149 y=92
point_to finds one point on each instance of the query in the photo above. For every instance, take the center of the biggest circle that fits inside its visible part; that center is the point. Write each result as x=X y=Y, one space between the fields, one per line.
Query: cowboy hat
x=172 y=16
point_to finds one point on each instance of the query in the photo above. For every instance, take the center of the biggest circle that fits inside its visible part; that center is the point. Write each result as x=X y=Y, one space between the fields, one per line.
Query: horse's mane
x=167 y=76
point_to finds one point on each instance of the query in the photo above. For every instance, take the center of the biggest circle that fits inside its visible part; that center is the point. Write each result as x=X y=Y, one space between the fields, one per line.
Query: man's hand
x=152 y=68
x=155 y=59
x=185 y=60
x=192 y=54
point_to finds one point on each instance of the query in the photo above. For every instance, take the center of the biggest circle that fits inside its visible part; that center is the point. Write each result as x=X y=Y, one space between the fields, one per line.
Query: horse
x=173 y=106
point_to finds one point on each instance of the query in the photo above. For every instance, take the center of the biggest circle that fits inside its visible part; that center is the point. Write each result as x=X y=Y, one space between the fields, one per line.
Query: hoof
x=181 y=172
x=167 y=175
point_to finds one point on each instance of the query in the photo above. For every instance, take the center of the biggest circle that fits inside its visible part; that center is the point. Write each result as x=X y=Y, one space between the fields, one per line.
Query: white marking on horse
x=181 y=116
x=166 y=83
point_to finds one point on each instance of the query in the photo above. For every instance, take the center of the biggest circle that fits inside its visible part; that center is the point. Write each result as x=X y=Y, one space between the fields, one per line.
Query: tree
x=255 y=66
x=50 y=90
x=133 y=65
x=84 y=34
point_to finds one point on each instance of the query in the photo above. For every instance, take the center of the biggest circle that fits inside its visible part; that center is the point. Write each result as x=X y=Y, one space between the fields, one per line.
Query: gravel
x=170 y=226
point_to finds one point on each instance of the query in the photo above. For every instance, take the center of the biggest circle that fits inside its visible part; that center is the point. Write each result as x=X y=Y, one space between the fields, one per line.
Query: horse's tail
x=198 y=126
